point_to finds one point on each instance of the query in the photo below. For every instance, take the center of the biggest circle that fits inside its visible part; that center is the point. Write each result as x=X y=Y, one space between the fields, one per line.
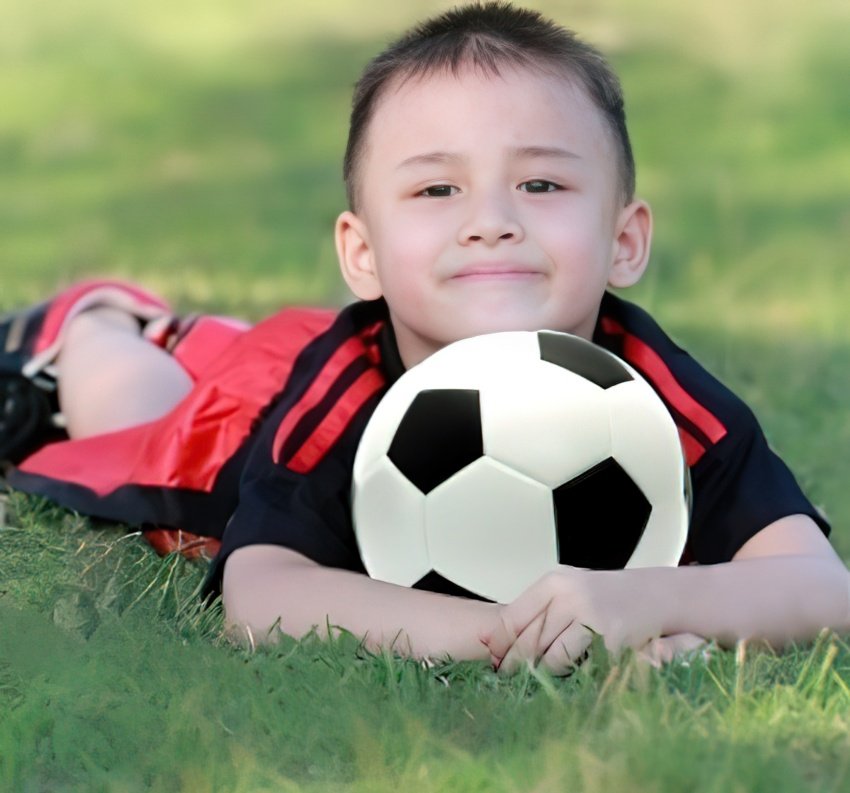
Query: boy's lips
x=496 y=270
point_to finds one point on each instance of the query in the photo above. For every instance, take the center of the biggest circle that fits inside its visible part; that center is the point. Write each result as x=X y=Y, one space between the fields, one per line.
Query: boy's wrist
x=452 y=629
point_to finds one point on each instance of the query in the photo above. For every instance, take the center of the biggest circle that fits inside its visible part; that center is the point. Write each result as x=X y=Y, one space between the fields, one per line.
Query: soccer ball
x=501 y=456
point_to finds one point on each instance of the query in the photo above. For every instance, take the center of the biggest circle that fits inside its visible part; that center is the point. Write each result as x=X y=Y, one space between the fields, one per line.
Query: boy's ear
x=631 y=244
x=355 y=257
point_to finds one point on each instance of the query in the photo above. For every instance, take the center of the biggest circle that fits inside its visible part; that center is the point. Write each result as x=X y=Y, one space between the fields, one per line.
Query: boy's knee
x=95 y=322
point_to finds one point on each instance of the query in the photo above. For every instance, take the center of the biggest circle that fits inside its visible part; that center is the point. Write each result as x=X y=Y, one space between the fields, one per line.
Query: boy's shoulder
x=315 y=341
x=334 y=375
x=705 y=410
x=360 y=338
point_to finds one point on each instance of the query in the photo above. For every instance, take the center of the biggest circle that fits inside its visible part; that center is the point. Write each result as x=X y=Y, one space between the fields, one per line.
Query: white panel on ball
x=662 y=542
x=645 y=442
x=469 y=363
x=549 y=439
x=492 y=352
x=390 y=515
x=491 y=530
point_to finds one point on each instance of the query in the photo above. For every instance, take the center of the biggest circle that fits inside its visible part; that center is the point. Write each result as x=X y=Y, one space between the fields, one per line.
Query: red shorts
x=182 y=471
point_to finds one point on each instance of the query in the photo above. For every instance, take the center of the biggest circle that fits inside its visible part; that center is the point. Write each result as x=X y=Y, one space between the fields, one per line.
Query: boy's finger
x=665 y=649
x=568 y=649
x=515 y=618
x=506 y=631
x=559 y=617
x=525 y=649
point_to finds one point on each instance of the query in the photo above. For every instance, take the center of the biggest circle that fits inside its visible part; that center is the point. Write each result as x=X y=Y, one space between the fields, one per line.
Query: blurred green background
x=196 y=146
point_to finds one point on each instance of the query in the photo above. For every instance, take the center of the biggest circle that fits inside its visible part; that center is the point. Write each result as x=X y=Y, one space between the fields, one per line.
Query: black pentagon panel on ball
x=438 y=436
x=582 y=357
x=434 y=582
x=601 y=515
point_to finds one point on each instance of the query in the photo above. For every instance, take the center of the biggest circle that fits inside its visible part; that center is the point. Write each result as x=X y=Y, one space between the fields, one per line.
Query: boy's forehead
x=442 y=98
x=476 y=81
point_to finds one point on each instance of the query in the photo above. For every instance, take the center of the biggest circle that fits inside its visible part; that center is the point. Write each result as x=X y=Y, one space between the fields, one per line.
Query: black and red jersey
x=739 y=484
x=262 y=449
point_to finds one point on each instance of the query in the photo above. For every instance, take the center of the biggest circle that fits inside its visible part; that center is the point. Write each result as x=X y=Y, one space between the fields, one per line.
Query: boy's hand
x=679 y=646
x=553 y=621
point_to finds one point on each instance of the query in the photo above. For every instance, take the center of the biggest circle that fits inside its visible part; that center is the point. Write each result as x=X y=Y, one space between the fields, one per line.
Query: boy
x=491 y=187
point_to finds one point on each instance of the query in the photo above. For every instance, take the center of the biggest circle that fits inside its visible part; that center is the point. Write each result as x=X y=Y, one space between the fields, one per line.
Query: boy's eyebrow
x=530 y=152
x=431 y=158
x=520 y=153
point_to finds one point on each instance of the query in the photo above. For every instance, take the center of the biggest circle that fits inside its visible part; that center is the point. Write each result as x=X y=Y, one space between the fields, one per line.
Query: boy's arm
x=785 y=584
x=265 y=585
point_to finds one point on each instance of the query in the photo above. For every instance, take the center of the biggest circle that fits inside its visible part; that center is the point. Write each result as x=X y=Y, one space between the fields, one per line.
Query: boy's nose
x=491 y=222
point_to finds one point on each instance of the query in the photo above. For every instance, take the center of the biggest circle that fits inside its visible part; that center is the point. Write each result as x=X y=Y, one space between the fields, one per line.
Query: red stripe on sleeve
x=335 y=422
x=692 y=448
x=652 y=366
x=342 y=357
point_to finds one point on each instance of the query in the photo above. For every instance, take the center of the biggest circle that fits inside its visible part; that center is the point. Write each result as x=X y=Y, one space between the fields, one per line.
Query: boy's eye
x=439 y=191
x=538 y=186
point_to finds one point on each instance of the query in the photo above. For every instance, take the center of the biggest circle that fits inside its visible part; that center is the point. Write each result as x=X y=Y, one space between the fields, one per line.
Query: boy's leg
x=33 y=338
x=110 y=377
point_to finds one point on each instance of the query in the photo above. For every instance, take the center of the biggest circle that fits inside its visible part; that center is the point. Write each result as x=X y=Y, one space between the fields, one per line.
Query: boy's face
x=487 y=204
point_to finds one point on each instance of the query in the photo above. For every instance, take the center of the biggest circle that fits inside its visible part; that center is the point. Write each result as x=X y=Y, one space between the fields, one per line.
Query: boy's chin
x=502 y=322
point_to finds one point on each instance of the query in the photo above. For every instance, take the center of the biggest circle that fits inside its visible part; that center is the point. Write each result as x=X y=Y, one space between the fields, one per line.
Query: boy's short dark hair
x=487 y=36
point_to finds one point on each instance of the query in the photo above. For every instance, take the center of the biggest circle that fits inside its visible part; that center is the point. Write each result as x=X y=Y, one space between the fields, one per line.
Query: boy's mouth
x=497 y=270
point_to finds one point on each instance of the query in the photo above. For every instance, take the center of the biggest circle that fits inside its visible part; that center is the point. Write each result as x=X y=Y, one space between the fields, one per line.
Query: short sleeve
x=307 y=512
x=740 y=486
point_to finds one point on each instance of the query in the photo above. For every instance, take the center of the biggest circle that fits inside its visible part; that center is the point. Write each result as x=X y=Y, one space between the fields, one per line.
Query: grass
x=113 y=678
x=196 y=147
